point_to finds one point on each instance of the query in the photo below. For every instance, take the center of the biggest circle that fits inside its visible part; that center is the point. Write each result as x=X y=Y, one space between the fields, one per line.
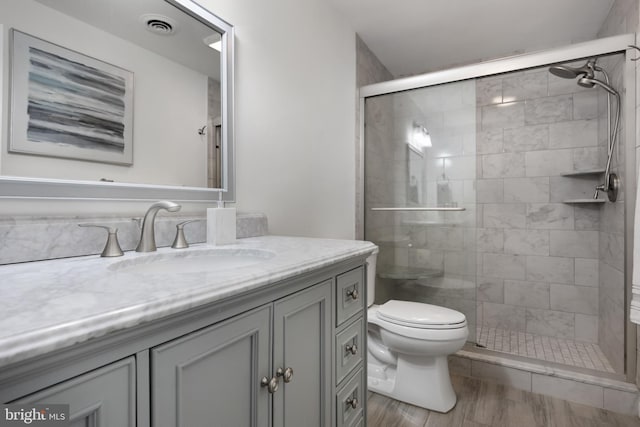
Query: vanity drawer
x=349 y=348
x=349 y=294
x=350 y=402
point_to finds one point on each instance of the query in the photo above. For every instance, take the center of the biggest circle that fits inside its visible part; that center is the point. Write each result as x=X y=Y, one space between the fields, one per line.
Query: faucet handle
x=180 y=242
x=112 y=248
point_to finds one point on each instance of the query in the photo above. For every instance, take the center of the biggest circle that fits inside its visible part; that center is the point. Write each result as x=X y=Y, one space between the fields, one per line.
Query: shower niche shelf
x=584 y=172
x=584 y=201
x=588 y=173
x=409 y=273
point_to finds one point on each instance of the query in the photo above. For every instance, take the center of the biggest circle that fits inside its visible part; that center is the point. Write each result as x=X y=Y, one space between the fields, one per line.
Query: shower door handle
x=425 y=208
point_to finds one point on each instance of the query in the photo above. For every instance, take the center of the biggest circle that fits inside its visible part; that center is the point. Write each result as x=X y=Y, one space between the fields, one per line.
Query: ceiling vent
x=159 y=24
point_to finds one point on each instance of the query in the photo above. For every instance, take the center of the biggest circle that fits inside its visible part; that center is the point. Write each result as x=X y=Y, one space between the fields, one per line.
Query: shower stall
x=505 y=190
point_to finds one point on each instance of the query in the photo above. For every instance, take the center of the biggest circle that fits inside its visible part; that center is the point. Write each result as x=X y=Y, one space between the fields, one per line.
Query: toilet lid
x=420 y=315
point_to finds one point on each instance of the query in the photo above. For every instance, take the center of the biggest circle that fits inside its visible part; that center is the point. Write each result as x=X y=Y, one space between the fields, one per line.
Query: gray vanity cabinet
x=289 y=354
x=214 y=376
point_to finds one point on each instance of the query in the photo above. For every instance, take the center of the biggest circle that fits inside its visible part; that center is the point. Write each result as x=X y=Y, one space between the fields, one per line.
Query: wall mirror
x=116 y=99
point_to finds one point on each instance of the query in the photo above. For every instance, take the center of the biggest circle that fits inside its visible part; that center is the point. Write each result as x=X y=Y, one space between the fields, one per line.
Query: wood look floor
x=488 y=404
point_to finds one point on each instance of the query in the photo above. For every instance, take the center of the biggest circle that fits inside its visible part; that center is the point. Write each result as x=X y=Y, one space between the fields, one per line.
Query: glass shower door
x=420 y=197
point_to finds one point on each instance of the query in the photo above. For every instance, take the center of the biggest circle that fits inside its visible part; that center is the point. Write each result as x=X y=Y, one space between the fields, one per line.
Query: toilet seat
x=419 y=315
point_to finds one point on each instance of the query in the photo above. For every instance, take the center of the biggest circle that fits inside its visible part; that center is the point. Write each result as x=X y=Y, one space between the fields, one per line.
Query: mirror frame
x=12 y=187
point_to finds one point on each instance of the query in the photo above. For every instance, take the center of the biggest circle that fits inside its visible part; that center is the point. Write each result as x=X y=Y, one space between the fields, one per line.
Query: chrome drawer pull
x=270 y=384
x=351 y=348
x=353 y=293
x=353 y=402
x=286 y=375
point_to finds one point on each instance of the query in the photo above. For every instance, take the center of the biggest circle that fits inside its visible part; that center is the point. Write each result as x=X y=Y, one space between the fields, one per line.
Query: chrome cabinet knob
x=271 y=384
x=351 y=348
x=353 y=293
x=286 y=374
x=352 y=401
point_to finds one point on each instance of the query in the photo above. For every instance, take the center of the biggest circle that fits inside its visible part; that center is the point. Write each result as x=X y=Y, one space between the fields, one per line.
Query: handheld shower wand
x=611 y=182
x=587 y=78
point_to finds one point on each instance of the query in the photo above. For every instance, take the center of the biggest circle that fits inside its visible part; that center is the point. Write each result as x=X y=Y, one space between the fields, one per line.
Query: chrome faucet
x=148 y=235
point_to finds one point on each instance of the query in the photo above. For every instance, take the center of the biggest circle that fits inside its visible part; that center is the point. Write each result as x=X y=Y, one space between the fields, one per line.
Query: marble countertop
x=49 y=305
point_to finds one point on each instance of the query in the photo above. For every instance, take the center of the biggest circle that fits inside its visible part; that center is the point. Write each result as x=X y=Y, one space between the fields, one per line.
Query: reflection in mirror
x=175 y=111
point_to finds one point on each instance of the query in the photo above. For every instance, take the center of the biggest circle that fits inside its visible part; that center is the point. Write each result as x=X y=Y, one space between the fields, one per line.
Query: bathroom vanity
x=269 y=331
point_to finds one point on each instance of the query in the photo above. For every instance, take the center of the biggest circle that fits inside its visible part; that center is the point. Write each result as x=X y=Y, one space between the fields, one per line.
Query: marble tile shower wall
x=538 y=258
x=385 y=180
x=543 y=266
x=623 y=18
x=383 y=184
x=445 y=241
x=611 y=330
x=369 y=70
x=424 y=256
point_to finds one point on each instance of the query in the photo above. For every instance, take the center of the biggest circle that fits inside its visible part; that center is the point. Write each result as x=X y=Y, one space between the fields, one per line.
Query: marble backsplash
x=34 y=239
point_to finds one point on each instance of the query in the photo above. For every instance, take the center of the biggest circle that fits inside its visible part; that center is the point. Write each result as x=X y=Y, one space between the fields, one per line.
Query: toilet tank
x=371 y=277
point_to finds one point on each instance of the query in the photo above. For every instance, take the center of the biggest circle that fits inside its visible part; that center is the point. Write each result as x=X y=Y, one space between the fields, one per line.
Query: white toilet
x=408 y=345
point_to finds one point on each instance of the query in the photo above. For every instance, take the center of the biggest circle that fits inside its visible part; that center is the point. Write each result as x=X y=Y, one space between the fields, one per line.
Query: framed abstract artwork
x=67 y=104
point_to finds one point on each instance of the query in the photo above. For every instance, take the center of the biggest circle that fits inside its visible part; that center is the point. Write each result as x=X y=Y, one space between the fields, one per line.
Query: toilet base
x=417 y=380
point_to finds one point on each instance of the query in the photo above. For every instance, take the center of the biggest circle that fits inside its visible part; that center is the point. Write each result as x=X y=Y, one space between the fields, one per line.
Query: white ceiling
x=122 y=18
x=416 y=36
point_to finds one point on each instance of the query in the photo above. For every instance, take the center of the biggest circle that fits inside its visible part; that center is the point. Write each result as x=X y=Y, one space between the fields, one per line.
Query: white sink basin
x=196 y=261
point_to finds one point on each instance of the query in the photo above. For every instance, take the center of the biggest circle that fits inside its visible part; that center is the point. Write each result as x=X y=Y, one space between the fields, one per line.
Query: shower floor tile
x=558 y=350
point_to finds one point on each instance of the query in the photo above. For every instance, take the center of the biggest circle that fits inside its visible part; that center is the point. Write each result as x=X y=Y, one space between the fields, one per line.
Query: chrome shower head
x=564 y=71
x=567 y=72
x=586 y=82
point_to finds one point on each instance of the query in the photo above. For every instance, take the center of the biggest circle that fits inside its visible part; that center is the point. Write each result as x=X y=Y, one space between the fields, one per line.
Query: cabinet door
x=212 y=377
x=105 y=397
x=302 y=342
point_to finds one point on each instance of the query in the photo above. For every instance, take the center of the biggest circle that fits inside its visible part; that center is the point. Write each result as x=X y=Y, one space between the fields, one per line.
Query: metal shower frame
x=610 y=45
